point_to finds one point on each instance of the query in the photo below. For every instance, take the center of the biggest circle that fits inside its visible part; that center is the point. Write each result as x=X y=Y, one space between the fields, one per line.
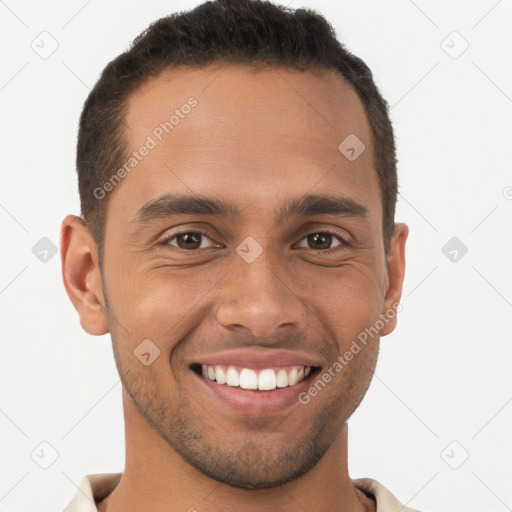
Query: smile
x=253 y=392
x=265 y=379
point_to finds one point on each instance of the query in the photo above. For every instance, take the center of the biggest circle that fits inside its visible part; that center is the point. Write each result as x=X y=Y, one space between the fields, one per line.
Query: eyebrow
x=311 y=205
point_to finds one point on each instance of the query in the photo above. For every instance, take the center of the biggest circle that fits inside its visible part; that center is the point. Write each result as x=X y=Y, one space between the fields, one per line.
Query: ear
x=81 y=275
x=395 y=277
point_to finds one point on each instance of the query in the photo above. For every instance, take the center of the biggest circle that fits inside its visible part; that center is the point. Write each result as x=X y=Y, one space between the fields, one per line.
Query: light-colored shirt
x=93 y=488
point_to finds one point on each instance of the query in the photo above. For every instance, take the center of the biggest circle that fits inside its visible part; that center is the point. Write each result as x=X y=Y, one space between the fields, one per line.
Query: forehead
x=266 y=134
x=306 y=104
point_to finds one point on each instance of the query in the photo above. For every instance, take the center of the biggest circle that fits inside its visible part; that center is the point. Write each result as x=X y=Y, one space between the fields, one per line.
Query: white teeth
x=232 y=377
x=247 y=378
x=220 y=376
x=292 y=377
x=282 y=379
x=267 y=380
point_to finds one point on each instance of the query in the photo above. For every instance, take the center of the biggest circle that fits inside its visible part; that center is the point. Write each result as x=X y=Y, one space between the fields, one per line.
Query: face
x=245 y=273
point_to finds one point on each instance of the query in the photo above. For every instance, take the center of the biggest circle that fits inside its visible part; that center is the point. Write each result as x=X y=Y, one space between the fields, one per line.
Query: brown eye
x=187 y=240
x=322 y=241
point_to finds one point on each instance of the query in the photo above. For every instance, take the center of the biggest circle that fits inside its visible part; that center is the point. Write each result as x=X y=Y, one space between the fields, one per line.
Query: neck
x=157 y=478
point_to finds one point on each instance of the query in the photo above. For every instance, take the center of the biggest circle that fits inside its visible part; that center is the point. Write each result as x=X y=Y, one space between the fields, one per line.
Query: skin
x=257 y=138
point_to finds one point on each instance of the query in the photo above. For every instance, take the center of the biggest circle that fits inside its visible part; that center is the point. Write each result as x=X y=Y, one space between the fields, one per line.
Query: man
x=237 y=178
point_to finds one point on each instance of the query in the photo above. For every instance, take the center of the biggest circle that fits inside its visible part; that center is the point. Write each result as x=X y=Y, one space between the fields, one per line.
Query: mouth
x=266 y=379
x=255 y=392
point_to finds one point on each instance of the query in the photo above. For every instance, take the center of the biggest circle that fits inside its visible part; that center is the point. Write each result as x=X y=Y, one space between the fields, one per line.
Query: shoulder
x=92 y=488
x=385 y=500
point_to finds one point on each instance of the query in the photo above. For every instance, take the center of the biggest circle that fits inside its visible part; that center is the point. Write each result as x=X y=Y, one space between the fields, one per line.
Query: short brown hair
x=237 y=31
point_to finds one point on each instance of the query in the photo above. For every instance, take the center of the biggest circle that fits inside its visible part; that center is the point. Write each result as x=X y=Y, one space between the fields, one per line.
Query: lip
x=258 y=359
x=253 y=402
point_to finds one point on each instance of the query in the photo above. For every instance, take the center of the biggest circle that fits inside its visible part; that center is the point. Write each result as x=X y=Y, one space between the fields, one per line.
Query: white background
x=444 y=375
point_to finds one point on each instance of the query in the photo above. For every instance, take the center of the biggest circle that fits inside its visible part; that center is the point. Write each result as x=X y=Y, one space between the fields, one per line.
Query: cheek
x=346 y=300
x=161 y=304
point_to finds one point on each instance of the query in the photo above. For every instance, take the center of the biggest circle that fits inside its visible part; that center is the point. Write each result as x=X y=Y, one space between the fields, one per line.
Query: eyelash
x=344 y=244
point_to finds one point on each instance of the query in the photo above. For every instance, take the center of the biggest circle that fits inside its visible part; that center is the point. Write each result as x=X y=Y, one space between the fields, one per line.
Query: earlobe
x=81 y=275
x=395 y=277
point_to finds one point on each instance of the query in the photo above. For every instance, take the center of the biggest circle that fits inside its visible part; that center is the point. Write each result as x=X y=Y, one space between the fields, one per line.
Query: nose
x=260 y=297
